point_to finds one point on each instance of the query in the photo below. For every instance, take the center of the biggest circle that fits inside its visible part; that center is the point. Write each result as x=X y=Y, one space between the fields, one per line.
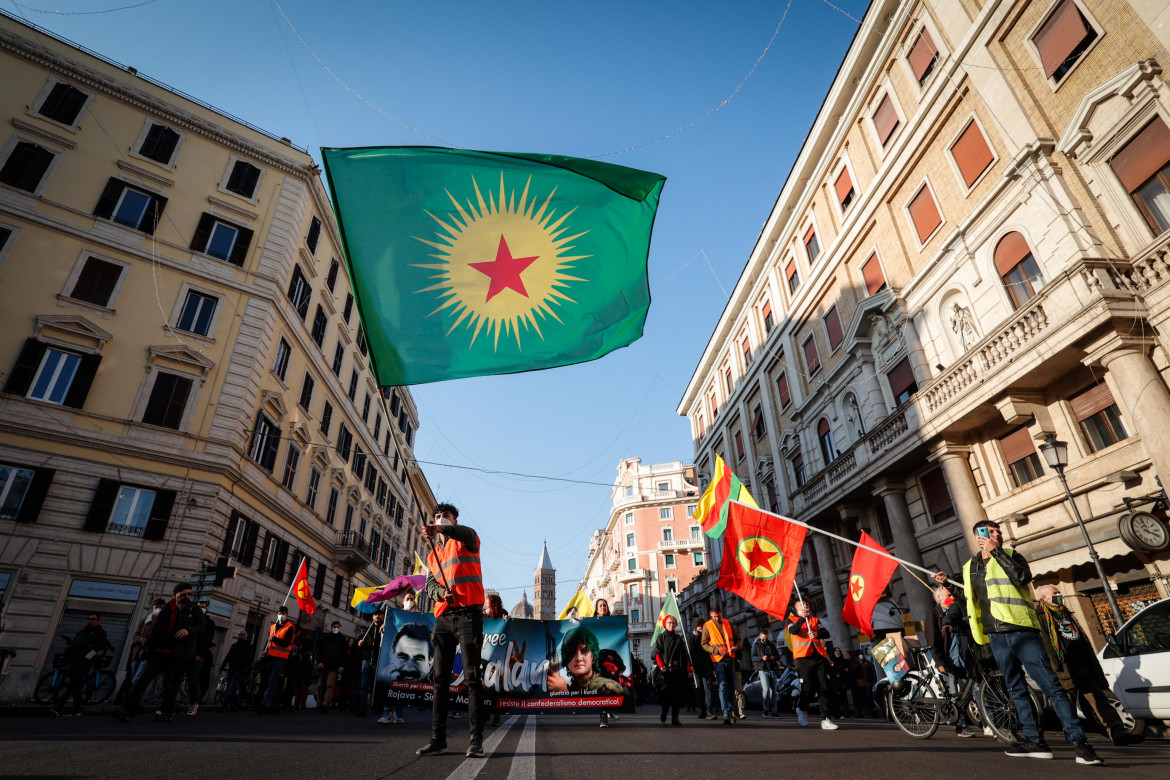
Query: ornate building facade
x=968 y=258
x=185 y=380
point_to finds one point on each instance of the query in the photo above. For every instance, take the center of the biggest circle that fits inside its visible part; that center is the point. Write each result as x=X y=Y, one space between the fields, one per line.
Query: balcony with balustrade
x=351 y=552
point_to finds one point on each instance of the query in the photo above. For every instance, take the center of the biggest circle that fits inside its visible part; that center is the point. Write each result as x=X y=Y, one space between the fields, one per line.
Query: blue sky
x=565 y=77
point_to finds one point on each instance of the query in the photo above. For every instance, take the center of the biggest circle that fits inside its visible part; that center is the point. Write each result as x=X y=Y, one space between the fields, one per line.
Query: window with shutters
x=131 y=511
x=833 y=330
x=759 y=427
x=1017 y=268
x=885 y=119
x=812 y=245
x=971 y=153
x=353 y=383
x=97 y=282
x=344 y=441
x=49 y=374
x=326 y=418
x=728 y=384
x=902 y=382
x=924 y=214
x=63 y=104
x=159 y=144
x=714 y=404
x=825 y=438
x=747 y=351
x=331 y=506
x=701 y=423
x=306 y=391
x=366 y=409
x=338 y=358
x=198 y=313
x=1019 y=451
x=54 y=376
x=1099 y=417
x=766 y=317
x=798 y=473
x=130 y=206
x=1143 y=168
x=265 y=441
x=371 y=478
x=377 y=425
x=872 y=275
x=843 y=187
x=313 y=236
x=792 y=275
x=168 y=400
x=348 y=308
x=938 y=498
x=923 y=56
x=23 y=491
x=359 y=462
x=320 y=322
x=243 y=179
x=280 y=364
x=812 y=358
x=363 y=349
x=782 y=390
x=739 y=448
x=292 y=459
x=222 y=240
x=1063 y=38
x=299 y=292
x=26 y=166
x=313 y=488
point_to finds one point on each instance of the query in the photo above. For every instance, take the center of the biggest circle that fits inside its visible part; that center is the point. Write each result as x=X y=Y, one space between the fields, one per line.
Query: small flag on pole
x=669 y=609
x=419 y=566
x=724 y=487
x=581 y=603
x=302 y=590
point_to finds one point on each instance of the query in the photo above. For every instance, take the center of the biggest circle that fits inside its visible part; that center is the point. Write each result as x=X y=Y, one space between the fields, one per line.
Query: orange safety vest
x=284 y=631
x=803 y=647
x=461 y=575
x=720 y=633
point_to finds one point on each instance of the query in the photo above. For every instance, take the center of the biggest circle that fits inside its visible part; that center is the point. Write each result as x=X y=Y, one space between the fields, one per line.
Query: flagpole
x=807 y=625
x=294 y=582
x=882 y=553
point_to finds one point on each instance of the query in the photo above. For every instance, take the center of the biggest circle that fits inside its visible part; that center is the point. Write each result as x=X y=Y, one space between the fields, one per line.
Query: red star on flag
x=504 y=271
x=758 y=557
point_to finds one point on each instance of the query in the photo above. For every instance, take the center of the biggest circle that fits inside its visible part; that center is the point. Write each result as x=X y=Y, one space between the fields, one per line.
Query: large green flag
x=469 y=263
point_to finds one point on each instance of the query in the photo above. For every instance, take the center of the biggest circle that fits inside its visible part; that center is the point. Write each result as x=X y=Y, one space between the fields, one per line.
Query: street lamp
x=1056 y=456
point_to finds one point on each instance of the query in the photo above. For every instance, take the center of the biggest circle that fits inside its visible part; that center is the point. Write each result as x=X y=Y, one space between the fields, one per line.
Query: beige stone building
x=968 y=255
x=650 y=546
x=185 y=380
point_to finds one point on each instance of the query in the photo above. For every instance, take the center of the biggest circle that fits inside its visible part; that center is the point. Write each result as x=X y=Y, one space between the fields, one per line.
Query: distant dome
x=523 y=609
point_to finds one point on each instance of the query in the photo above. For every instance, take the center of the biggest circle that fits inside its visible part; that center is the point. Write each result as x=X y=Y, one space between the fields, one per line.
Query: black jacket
x=239 y=657
x=702 y=661
x=761 y=649
x=371 y=640
x=173 y=619
x=90 y=639
x=1016 y=568
x=331 y=651
x=670 y=654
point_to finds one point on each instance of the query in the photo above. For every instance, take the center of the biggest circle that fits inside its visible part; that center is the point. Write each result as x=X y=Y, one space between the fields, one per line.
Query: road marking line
x=471 y=767
x=524 y=760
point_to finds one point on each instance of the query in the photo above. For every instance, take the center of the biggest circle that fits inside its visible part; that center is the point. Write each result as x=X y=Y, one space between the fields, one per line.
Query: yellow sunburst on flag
x=504 y=262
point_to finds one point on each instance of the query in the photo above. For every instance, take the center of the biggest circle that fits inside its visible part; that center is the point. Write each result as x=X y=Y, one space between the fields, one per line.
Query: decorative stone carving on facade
x=764 y=469
x=886 y=342
x=963 y=326
x=79 y=330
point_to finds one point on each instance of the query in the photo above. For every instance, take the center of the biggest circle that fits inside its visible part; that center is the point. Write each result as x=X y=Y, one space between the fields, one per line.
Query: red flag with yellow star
x=760 y=554
x=868 y=577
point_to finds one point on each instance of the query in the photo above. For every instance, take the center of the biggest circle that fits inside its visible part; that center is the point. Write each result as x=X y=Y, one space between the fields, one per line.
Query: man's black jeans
x=462 y=626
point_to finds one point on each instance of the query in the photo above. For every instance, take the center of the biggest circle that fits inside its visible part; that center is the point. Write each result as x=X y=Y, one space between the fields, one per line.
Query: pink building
x=650 y=546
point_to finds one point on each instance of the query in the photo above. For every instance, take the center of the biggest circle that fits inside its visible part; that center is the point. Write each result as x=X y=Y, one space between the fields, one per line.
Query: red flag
x=302 y=591
x=760 y=555
x=868 y=577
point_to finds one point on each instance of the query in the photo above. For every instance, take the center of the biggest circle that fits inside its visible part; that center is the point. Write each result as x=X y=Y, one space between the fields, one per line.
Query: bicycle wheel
x=98 y=692
x=998 y=710
x=917 y=718
x=43 y=693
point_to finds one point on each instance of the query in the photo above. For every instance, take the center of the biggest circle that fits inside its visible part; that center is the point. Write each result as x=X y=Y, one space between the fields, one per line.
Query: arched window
x=825 y=435
x=1018 y=268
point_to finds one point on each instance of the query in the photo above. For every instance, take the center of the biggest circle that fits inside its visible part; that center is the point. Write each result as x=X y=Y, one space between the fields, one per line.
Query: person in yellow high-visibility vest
x=999 y=608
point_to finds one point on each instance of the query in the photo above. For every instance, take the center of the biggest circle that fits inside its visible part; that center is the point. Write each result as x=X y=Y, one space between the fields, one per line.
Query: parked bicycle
x=921 y=701
x=100 y=683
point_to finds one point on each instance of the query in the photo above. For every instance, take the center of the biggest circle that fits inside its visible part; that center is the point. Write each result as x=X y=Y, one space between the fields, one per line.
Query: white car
x=1137 y=662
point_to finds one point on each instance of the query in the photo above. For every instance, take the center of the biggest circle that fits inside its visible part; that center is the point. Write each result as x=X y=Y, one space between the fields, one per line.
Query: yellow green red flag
x=724 y=487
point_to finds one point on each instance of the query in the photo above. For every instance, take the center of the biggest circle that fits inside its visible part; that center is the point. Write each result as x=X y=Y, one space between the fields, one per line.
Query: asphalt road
x=339 y=746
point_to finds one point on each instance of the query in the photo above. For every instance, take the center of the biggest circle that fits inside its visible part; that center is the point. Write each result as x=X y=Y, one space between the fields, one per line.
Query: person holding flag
x=720 y=643
x=281 y=635
x=812 y=663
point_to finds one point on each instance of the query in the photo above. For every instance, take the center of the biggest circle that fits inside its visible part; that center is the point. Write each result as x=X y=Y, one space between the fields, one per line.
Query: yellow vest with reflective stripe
x=1009 y=603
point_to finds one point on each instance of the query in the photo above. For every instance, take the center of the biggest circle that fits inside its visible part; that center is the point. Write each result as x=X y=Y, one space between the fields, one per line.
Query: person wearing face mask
x=237 y=663
x=136 y=664
x=455 y=586
x=281 y=636
x=331 y=651
x=1073 y=660
x=170 y=648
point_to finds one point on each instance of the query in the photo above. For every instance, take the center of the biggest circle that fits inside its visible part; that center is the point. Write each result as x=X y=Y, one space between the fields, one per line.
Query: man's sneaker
x=712 y=716
x=475 y=749
x=604 y=721
x=727 y=721
x=1118 y=735
x=1029 y=750
x=54 y=714
x=432 y=748
x=193 y=709
x=828 y=725
x=801 y=717
x=963 y=731
x=1085 y=755
x=397 y=719
x=386 y=718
